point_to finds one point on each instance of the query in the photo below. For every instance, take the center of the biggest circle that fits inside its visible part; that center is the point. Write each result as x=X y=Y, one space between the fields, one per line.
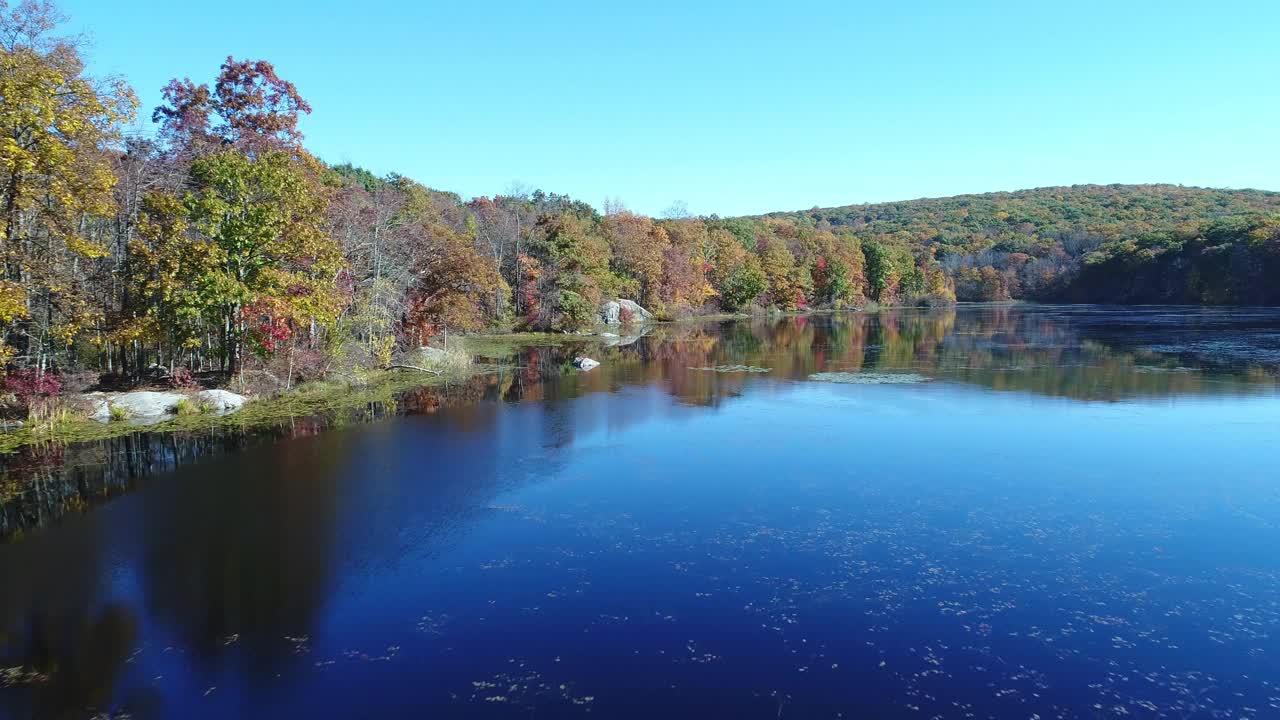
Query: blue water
x=781 y=548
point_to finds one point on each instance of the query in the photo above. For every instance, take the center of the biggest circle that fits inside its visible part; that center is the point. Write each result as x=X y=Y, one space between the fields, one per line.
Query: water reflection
x=1049 y=351
x=253 y=561
x=75 y=662
x=64 y=641
x=1081 y=353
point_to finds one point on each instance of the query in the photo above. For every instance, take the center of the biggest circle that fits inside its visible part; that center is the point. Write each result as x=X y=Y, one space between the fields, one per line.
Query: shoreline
x=308 y=399
x=305 y=400
x=335 y=393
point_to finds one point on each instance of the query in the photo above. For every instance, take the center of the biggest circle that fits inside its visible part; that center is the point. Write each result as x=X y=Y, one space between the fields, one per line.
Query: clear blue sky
x=742 y=107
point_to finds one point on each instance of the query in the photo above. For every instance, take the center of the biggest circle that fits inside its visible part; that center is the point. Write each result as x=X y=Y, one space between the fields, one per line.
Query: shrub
x=457 y=358
x=119 y=414
x=575 y=311
x=183 y=379
x=184 y=407
x=454 y=356
x=34 y=390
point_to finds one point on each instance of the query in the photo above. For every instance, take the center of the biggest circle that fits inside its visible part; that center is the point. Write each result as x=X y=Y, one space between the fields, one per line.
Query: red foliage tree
x=255 y=108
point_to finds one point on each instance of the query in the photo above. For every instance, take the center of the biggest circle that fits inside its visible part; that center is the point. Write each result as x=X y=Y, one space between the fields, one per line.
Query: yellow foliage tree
x=57 y=128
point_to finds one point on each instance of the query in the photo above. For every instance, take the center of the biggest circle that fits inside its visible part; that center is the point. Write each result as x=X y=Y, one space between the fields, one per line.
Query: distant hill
x=1087 y=243
x=1064 y=210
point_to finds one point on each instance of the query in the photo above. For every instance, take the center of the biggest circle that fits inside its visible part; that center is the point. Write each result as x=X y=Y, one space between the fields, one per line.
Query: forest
x=218 y=243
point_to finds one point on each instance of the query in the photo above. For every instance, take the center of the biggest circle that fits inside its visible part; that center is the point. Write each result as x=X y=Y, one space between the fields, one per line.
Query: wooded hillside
x=1085 y=243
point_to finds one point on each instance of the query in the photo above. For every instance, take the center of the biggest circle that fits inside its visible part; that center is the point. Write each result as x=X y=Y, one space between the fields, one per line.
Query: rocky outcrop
x=611 y=312
x=585 y=363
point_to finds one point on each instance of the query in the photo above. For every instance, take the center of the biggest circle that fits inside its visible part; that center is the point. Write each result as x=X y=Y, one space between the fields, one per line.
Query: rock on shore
x=611 y=312
x=146 y=403
x=150 y=405
x=221 y=400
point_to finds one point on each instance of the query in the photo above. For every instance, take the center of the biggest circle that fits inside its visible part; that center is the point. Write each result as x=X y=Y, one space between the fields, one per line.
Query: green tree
x=880 y=270
x=265 y=264
x=743 y=285
x=579 y=257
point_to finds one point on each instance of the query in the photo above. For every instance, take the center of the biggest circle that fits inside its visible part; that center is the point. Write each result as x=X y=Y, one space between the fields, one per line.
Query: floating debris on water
x=733 y=369
x=21 y=675
x=862 y=378
x=1158 y=369
x=528 y=688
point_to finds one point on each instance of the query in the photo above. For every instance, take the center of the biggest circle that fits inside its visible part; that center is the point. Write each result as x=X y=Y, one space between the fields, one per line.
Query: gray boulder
x=156 y=373
x=101 y=411
x=100 y=407
x=585 y=363
x=221 y=400
x=147 y=404
x=638 y=313
x=432 y=355
x=611 y=312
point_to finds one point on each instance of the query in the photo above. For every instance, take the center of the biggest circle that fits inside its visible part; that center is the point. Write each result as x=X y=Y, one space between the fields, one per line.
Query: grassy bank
x=313 y=398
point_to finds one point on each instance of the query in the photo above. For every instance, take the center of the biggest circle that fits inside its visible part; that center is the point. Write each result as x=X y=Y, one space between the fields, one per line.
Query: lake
x=977 y=512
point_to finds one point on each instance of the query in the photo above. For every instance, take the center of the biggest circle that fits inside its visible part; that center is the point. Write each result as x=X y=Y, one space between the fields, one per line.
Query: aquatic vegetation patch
x=733 y=369
x=864 y=378
x=511 y=344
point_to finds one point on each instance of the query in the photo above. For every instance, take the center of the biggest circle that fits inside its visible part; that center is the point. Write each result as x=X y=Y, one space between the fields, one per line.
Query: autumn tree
x=264 y=264
x=250 y=107
x=887 y=265
x=684 y=286
x=838 y=270
x=575 y=272
x=638 y=246
x=453 y=285
x=58 y=127
x=788 y=285
x=374 y=219
x=736 y=273
x=499 y=225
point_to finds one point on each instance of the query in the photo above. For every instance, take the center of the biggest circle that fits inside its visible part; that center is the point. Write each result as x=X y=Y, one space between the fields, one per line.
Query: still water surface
x=1029 y=513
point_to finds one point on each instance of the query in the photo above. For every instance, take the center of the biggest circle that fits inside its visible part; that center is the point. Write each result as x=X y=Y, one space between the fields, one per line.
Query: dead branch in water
x=414 y=367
